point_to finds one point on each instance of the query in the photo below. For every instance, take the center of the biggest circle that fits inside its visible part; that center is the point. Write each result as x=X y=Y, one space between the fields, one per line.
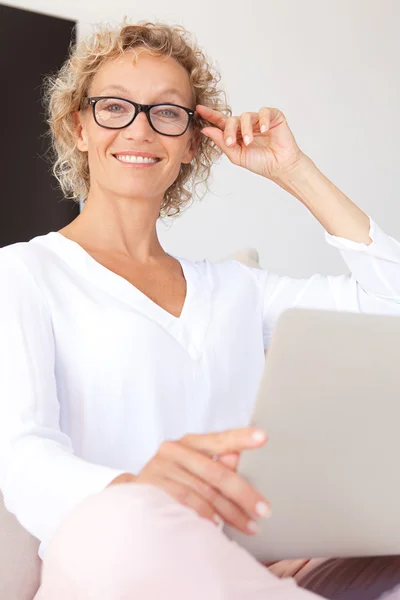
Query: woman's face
x=152 y=80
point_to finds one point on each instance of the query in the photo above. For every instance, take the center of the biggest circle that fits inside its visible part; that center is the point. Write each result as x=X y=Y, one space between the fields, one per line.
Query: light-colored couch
x=19 y=561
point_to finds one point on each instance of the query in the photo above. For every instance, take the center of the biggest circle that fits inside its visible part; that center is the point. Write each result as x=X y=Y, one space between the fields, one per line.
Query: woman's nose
x=139 y=128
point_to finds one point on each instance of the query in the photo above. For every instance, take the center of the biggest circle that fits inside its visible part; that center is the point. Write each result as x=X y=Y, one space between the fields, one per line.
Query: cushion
x=19 y=560
x=247 y=256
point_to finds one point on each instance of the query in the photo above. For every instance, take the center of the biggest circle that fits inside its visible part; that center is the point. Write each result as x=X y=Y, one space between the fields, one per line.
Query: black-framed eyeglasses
x=116 y=113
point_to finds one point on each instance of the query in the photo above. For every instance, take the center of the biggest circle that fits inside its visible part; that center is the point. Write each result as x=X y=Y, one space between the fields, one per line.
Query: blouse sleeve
x=373 y=285
x=40 y=477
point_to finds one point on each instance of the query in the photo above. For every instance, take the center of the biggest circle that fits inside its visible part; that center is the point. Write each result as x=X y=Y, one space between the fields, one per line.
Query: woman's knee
x=119 y=517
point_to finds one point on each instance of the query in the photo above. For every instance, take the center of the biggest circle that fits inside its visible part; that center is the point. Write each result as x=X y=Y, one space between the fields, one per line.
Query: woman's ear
x=81 y=137
x=193 y=146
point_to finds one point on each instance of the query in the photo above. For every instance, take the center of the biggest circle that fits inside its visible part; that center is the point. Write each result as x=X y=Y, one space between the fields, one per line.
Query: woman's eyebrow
x=118 y=88
x=162 y=92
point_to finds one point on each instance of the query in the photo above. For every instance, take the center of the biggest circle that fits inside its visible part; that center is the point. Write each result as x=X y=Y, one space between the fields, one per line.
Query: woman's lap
x=130 y=539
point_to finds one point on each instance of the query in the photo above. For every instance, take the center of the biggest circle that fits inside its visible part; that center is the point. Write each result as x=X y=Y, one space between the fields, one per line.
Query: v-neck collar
x=189 y=329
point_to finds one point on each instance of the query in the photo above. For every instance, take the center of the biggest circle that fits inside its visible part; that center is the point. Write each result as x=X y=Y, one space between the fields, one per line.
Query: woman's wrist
x=296 y=180
x=123 y=478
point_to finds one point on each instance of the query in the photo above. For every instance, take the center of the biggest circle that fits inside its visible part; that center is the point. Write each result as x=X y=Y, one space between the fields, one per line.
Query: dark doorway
x=31 y=45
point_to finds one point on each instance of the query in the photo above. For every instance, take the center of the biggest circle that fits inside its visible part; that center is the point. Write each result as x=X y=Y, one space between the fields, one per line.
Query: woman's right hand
x=186 y=470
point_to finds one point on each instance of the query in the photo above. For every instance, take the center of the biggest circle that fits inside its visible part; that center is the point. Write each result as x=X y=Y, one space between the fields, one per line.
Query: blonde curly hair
x=65 y=91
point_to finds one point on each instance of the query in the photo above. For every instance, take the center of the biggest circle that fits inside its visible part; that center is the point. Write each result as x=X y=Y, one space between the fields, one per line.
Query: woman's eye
x=167 y=113
x=115 y=108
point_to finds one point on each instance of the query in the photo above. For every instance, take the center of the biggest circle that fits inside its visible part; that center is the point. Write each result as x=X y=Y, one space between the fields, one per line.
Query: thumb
x=230 y=460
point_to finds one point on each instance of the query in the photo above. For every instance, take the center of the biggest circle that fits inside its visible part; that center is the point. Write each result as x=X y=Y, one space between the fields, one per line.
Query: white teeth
x=135 y=159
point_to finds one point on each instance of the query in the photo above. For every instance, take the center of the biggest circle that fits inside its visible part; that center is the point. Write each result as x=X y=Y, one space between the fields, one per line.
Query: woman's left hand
x=260 y=142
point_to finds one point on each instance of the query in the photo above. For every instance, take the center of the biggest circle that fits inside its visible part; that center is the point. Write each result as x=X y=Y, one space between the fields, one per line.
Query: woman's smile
x=137 y=159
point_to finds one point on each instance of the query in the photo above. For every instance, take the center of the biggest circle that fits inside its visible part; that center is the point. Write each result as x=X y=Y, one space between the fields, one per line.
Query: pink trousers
x=135 y=542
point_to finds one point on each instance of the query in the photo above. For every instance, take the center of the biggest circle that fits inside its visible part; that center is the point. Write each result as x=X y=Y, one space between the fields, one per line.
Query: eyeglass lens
x=112 y=112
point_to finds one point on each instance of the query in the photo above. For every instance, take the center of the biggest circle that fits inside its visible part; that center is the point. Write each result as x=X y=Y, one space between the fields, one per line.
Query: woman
x=124 y=365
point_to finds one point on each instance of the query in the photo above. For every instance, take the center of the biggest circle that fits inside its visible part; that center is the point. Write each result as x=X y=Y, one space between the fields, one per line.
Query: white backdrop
x=333 y=68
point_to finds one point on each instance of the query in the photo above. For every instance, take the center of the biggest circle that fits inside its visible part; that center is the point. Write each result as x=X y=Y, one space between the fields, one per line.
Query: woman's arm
x=40 y=475
x=264 y=144
x=373 y=285
x=331 y=207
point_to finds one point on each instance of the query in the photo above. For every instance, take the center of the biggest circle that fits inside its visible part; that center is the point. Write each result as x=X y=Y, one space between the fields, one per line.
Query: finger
x=229 y=483
x=247 y=122
x=232 y=514
x=217 y=136
x=189 y=497
x=229 y=511
x=230 y=132
x=270 y=118
x=230 y=460
x=213 y=116
x=224 y=442
x=265 y=120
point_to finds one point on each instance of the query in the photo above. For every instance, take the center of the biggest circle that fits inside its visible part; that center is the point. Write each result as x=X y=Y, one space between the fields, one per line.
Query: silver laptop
x=329 y=401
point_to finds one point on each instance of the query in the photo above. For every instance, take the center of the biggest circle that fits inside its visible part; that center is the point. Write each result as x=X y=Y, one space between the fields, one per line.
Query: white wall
x=333 y=68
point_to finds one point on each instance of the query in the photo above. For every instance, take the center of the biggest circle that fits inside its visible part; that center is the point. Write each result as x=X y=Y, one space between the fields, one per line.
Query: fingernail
x=263 y=509
x=252 y=526
x=263 y=129
x=229 y=141
x=246 y=140
x=258 y=436
x=217 y=520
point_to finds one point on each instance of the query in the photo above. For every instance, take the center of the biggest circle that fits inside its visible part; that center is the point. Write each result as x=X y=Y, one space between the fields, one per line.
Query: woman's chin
x=137 y=191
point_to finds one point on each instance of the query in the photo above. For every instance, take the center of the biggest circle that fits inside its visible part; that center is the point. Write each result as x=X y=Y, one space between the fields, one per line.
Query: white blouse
x=95 y=375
